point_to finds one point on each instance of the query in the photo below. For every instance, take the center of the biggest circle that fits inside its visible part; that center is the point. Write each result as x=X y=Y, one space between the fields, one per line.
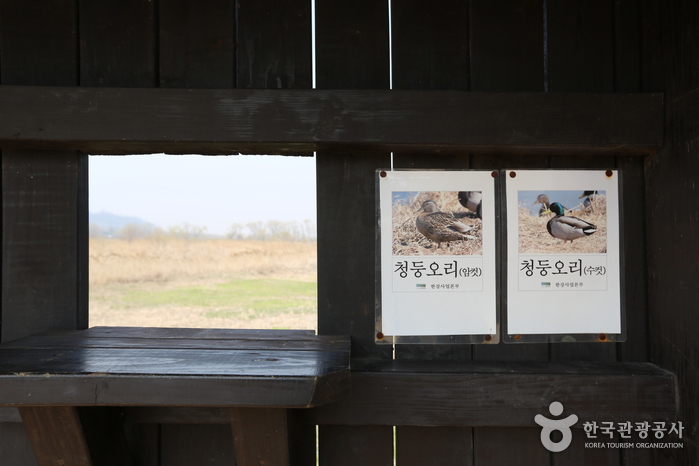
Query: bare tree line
x=272 y=230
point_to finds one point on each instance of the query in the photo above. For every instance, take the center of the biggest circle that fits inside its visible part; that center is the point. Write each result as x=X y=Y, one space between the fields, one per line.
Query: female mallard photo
x=440 y=226
x=543 y=199
x=567 y=228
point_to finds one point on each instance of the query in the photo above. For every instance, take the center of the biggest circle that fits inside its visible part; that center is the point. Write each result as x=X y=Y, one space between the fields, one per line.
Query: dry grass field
x=408 y=241
x=170 y=282
x=535 y=239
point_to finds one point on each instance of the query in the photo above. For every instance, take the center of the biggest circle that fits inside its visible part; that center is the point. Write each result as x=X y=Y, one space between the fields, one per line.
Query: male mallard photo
x=440 y=226
x=567 y=228
x=472 y=200
x=590 y=198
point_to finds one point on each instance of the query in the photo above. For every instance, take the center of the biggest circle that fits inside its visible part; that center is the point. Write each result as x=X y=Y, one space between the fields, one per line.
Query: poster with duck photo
x=563 y=253
x=437 y=253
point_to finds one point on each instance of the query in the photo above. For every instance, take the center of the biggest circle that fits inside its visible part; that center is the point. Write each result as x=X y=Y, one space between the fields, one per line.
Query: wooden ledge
x=298 y=122
x=113 y=366
x=474 y=393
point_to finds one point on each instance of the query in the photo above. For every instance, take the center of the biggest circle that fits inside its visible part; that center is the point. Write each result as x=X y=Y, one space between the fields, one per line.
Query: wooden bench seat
x=255 y=373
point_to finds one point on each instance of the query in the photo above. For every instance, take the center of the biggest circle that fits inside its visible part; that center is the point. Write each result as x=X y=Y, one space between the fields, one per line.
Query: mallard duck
x=590 y=198
x=440 y=226
x=567 y=228
x=542 y=199
x=472 y=200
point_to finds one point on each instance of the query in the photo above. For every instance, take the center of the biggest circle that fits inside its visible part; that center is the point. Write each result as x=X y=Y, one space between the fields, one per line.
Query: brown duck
x=440 y=226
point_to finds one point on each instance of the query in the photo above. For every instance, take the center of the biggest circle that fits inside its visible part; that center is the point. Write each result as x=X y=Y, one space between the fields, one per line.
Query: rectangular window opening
x=200 y=241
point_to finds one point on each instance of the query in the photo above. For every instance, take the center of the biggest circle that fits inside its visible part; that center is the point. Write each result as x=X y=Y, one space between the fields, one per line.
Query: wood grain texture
x=100 y=368
x=457 y=394
x=260 y=436
x=40 y=250
x=274 y=45
x=56 y=435
x=118 y=45
x=142 y=120
x=197 y=44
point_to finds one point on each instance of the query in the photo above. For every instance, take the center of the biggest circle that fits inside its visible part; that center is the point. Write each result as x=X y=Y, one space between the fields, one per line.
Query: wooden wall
x=505 y=46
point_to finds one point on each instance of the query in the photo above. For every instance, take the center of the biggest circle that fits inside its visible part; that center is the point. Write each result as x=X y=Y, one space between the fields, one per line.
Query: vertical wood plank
x=197 y=44
x=355 y=445
x=507 y=54
x=438 y=445
x=352 y=44
x=577 y=454
x=39 y=44
x=117 y=43
x=503 y=445
x=260 y=436
x=351 y=53
x=431 y=51
x=580 y=45
x=507 y=45
x=56 y=435
x=190 y=444
x=274 y=45
x=430 y=45
x=43 y=286
x=40 y=250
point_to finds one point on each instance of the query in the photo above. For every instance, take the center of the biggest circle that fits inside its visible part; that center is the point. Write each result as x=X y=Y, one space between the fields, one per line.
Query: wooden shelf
x=298 y=122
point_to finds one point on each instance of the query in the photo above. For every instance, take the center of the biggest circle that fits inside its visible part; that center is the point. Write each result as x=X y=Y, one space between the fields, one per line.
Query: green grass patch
x=252 y=296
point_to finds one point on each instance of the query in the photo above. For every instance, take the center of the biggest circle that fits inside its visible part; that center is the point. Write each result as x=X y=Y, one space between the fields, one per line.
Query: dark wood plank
x=40 y=251
x=123 y=120
x=39 y=42
x=418 y=446
x=197 y=44
x=190 y=444
x=577 y=453
x=260 y=436
x=352 y=45
x=351 y=53
x=56 y=435
x=354 y=445
x=172 y=362
x=346 y=293
x=503 y=451
x=587 y=28
x=507 y=46
x=118 y=43
x=335 y=344
x=274 y=45
x=430 y=45
x=416 y=395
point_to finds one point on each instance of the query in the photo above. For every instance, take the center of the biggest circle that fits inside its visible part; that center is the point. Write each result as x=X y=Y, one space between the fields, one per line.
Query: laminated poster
x=437 y=253
x=563 y=253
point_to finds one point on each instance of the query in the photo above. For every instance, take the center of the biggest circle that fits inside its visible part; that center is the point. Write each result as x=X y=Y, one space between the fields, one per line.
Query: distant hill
x=108 y=224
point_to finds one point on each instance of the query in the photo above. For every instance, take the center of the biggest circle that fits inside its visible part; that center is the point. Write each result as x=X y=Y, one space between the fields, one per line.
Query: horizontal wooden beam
x=474 y=394
x=294 y=122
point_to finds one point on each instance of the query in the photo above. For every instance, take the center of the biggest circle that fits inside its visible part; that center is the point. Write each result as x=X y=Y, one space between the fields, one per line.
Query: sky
x=207 y=191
